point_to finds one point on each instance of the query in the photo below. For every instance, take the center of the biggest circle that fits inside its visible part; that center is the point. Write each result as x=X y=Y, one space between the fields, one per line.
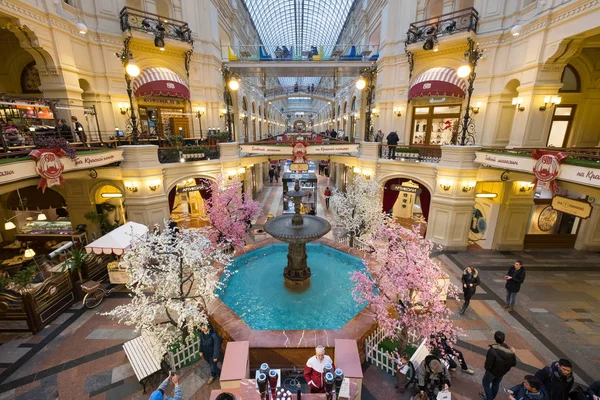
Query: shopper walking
x=392 y=142
x=327 y=196
x=470 y=281
x=557 y=379
x=514 y=278
x=271 y=174
x=79 y=130
x=500 y=358
x=530 y=389
x=210 y=350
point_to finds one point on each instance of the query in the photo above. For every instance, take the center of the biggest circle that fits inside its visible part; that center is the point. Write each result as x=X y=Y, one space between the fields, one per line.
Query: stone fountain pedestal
x=297 y=230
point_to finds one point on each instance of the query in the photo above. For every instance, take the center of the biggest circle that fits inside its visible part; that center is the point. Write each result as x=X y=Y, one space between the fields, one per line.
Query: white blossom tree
x=357 y=211
x=174 y=276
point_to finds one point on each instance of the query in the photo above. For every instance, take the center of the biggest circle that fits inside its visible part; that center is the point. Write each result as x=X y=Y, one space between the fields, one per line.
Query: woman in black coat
x=470 y=281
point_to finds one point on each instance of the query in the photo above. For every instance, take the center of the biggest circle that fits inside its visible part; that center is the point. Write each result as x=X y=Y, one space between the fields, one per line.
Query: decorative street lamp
x=200 y=111
x=231 y=84
x=131 y=71
x=367 y=81
x=467 y=70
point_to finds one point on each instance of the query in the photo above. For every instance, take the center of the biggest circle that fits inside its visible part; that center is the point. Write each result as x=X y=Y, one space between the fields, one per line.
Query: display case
x=47 y=227
x=35 y=116
x=308 y=184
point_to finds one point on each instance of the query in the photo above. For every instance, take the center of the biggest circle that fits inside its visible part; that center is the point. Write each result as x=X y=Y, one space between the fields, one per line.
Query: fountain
x=297 y=230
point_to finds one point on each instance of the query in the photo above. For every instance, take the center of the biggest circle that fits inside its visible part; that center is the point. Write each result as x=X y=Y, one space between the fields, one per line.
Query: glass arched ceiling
x=299 y=23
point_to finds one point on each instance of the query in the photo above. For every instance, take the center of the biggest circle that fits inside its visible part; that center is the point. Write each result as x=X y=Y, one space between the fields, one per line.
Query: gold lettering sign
x=577 y=208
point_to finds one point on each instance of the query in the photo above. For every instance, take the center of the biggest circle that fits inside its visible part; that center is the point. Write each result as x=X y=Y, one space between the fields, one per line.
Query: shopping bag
x=443 y=396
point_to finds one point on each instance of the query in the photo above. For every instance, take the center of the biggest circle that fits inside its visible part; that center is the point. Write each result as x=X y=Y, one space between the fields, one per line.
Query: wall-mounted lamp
x=111 y=195
x=361 y=83
x=375 y=112
x=131 y=186
x=233 y=84
x=467 y=186
x=154 y=184
x=525 y=187
x=123 y=107
x=516 y=102
x=398 y=111
x=486 y=195
x=200 y=111
x=241 y=170
x=356 y=170
x=476 y=107
x=445 y=184
x=550 y=101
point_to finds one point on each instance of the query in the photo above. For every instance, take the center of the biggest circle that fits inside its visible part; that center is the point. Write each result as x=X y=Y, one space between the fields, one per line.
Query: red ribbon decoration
x=49 y=167
x=550 y=173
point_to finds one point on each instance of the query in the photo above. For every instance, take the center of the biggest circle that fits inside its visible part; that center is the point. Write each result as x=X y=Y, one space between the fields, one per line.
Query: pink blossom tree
x=403 y=287
x=230 y=213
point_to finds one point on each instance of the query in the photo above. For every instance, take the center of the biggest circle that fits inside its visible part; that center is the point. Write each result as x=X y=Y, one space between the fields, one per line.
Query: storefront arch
x=187 y=202
x=390 y=196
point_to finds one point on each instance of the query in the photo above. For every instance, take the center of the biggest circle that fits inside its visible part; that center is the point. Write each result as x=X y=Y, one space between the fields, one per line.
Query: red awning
x=160 y=82
x=439 y=81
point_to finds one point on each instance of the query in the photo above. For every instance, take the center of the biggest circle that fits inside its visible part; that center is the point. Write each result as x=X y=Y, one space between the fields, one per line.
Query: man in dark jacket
x=470 y=281
x=557 y=379
x=514 y=278
x=530 y=389
x=432 y=376
x=210 y=349
x=392 y=141
x=500 y=358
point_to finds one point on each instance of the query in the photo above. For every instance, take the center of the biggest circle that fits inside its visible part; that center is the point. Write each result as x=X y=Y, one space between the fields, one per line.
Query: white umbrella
x=118 y=240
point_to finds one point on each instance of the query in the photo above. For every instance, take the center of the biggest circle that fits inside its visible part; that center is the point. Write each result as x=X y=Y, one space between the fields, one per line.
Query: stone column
x=80 y=200
x=141 y=169
x=451 y=207
x=588 y=238
x=513 y=218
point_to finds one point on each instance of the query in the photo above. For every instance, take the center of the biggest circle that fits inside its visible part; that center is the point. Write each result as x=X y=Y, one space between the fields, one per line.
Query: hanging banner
x=276 y=150
x=299 y=151
x=399 y=188
x=49 y=167
x=574 y=207
x=333 y=149
x=547 y=168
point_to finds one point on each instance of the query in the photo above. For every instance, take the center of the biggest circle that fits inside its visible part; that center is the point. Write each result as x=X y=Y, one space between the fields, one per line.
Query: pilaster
x=513 y=218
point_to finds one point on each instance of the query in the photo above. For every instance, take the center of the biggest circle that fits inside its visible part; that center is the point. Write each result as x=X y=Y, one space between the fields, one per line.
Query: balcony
x=447 y=24
x=290 y=53
x=414 y=153
x=156 y=25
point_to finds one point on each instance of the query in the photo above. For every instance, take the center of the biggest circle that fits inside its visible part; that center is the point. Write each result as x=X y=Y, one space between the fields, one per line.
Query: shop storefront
x=163 y=97
x=187 y=202
x=407 y=202
x=436 y=96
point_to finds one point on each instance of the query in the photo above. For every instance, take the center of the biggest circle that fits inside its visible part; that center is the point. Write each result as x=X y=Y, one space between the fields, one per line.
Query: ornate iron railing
x=157 y=25
x=447 y=24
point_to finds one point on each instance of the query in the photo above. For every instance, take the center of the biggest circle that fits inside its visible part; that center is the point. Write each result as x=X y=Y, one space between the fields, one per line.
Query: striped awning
x=160 y=82
x=440 y=81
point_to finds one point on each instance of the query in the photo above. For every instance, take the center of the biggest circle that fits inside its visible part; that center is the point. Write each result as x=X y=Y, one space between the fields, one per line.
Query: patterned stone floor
x=80 y=356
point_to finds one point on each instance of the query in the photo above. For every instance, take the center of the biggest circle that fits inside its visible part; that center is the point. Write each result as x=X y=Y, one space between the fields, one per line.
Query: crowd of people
x=553 y=382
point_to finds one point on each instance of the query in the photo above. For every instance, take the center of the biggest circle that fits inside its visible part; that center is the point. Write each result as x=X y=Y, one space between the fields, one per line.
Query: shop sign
x=547 y=168
x=195 y=188
x=299 y=167
x=97 y=160
x=333 y=149
x=505 y=162
x=283 y=150
x=584 y=175
x=299 y=151
x=49 y=167
x=52 y=290
x=160 y=100
x=409 y=189
x=434 y=100
x=574 y=207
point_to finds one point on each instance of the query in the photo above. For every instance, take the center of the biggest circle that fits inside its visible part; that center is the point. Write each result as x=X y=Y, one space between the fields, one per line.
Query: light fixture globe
x=361 y=83
x=234 y=84
x=464 y=70
x=42 y=217
x=81 y=28
x=516 y=30
x=132 y=69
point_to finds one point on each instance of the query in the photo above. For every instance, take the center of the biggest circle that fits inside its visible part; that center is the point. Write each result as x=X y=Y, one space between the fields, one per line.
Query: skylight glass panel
x=302 y=81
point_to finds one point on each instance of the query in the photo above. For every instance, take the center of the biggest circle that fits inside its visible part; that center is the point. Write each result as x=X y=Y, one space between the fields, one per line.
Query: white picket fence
x=358 y=244
x=187 y=354
x=386 y=361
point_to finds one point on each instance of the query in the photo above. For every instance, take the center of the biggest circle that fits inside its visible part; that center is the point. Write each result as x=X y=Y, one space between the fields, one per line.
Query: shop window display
x=435 y=125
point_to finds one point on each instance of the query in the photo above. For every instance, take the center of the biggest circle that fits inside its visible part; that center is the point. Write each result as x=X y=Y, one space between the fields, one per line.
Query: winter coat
x=520 y=393
x=594 y=389
x=429 y=380
x=392 y=139
x=313 y=373
x=514 y=285
x=556 y=385
x=210 y=344
x=500 y=358
x=469 y=291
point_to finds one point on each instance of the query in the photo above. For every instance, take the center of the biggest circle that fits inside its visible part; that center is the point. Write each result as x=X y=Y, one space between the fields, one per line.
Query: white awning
x=117 y=241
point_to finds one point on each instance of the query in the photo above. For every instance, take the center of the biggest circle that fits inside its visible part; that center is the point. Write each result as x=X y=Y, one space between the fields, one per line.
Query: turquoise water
x=256 y=291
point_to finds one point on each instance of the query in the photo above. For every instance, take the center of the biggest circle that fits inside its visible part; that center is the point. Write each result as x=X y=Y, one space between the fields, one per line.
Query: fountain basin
x=264 y=302
x=281 y=228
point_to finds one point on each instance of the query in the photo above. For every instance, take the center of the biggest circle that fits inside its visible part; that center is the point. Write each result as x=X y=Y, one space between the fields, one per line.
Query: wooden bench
x=143 y=359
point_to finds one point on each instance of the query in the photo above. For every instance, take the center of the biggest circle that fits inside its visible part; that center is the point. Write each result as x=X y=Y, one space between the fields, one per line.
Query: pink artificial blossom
x=401 y=285
x=230 y=214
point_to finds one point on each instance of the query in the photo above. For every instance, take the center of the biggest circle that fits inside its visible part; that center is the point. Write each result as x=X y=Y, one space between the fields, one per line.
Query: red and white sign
x=299 y=152
x=547 y=168
x=49 y=167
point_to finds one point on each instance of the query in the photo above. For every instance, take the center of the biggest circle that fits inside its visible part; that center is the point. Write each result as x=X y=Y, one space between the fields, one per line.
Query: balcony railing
x=447 y=24
x=157 y=25
x=298 y=90
x=313 y=53
x=428 y=154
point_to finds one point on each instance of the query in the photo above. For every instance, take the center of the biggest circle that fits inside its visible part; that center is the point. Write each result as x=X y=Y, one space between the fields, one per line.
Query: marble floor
x=80 y=356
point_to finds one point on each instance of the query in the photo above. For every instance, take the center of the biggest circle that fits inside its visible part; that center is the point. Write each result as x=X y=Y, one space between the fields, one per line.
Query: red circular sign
x=547 y=168
x=49 y=166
